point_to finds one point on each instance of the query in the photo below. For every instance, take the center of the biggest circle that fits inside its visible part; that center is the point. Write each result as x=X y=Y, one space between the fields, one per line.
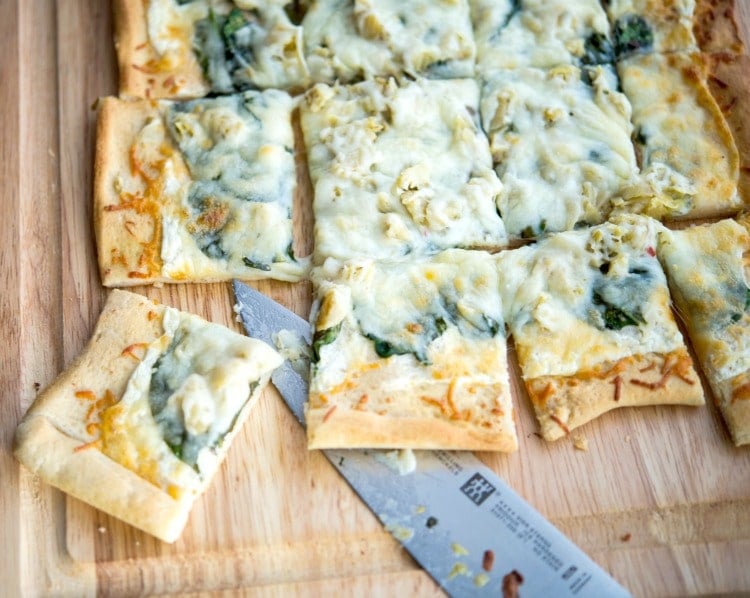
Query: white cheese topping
x=182 y=399
x=538 y=33
x=580 y=298
x=351 y=40
x=399 y=169
x=560 y=139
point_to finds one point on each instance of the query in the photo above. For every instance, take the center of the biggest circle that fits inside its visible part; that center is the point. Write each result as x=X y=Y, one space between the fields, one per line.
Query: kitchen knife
x=468 y=529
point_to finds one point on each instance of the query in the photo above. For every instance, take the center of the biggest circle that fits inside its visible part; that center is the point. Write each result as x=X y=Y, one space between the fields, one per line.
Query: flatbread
x=196 y=191
x=410 y=354
x=167 y=49
x=89 y=434
x=709 y=270
x=399 y=169
x=561 y=144
x=589 y=314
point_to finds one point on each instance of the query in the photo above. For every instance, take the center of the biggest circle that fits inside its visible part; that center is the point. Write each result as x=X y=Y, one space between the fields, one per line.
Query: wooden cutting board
x=660 y=499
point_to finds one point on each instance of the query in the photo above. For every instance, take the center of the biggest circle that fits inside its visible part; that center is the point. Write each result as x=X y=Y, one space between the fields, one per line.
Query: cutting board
x=661 y=498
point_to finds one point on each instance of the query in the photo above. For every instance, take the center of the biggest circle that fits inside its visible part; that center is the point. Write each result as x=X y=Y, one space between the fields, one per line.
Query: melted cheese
x=399 y=169
x=439 y=317
x=560 y=294
x=561 y=145
x=689 y=162
x=351 y=40
x=225 y=198
x=537 y=33
x=706 y=267
x=204 y=373
x=272 y=48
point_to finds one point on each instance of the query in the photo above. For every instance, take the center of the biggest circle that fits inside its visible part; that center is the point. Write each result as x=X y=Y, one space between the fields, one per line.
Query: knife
x=464 y=525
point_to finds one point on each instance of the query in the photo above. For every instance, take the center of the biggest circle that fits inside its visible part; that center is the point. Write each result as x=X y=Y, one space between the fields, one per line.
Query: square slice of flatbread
x=196 y=191
x=410 y=354
x=708 y=268
x=139 y=423
x=399 y=169
x=688 y=157
x=561 y=144
x=182 y=50
x=589 y=313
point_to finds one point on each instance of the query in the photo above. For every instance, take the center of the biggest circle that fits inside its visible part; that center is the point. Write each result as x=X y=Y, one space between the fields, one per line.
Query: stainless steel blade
x=465 y=526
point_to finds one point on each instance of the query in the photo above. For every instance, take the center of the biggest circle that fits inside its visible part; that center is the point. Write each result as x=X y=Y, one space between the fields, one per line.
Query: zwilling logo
x=477 y=489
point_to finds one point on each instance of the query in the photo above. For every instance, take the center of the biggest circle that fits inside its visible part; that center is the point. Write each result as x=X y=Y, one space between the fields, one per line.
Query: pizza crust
x=733 y=399
x=563 y=403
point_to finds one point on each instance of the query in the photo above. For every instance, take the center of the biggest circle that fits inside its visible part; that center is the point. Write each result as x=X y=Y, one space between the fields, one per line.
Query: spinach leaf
x=250 y=263
x=322 y=338
x=597 y=50
x=632 y=34
x=616 y=318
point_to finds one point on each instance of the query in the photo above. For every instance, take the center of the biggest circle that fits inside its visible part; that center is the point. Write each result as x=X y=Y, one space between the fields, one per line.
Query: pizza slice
x=688 y=158
x=708 y=268
x=138 y=425
x=196 y=191
x=645 y=26
x=589 y=312
x=561 y=143
x=399 y=169
x=540 y=33
x=410 y=354
x=183 y=49
x=351 y=40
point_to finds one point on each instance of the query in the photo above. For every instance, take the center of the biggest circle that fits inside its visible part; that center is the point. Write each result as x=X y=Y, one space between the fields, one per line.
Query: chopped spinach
x=322 y=338
x=294 y=11
x=250 y=263
x=616 y=318
x=224 y=45
x=632 y=34
x=386 y=349
x=597 y=49
x=515 y=8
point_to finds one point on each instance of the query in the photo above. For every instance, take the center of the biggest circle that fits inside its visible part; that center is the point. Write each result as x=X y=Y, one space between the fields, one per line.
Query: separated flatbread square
x=410 y=354
x=708 y=268
x=688 y=157
x=561 y=144
x=399 y=169
x=589 y=312
x=351 y=40
x=139 y=423
x=540 y=33
x=180 y=50
x=196 y=191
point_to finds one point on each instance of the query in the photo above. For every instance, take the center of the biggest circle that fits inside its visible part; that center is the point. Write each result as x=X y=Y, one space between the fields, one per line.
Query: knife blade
x=471 y=532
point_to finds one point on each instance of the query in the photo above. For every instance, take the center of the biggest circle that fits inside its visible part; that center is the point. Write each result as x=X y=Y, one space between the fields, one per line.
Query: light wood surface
x=660 y=499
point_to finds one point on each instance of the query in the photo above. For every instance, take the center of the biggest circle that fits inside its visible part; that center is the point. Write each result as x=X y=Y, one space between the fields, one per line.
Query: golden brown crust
x=729 y=84
x=335 y=427
x=715 y=26
x=563 y=403
x=94 y=478
x=142 y=72
x=127 y=238
x=368 y=410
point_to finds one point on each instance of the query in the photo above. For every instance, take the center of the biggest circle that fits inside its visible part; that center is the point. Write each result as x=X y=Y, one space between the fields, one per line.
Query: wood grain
x=661 y=499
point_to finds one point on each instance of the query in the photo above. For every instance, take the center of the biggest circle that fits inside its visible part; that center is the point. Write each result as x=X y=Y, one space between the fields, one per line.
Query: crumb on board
x=626 y=537
x=580 y=442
